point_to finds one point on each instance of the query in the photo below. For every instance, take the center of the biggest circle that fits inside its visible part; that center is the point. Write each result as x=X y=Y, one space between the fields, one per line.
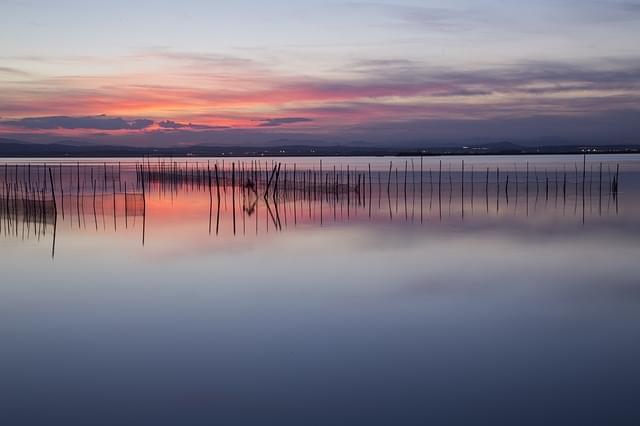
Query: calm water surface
x=427 y=295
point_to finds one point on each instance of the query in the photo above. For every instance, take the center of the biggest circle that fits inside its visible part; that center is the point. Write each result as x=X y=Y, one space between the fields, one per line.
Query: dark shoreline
x=10 y=148
x=65 y=151
x=400 y=154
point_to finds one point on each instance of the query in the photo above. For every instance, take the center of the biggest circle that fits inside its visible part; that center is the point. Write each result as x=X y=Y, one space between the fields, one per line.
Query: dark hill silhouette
x=17 y=148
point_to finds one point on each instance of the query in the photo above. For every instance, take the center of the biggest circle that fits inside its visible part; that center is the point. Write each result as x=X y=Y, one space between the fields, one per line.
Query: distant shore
x=18 y=149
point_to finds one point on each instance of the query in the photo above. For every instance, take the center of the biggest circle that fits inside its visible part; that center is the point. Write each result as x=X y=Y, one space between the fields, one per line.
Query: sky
x=406 y=72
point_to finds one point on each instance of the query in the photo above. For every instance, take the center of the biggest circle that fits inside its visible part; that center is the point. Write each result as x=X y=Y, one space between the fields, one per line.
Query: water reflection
x=248 y=197
x=416 y=293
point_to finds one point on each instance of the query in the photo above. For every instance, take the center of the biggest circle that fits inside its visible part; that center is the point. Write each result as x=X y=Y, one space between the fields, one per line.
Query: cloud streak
x=100 y=122
x=173 y=125
x=484 y=90
x=13 y=71
x=275 y=122
x=365 y=93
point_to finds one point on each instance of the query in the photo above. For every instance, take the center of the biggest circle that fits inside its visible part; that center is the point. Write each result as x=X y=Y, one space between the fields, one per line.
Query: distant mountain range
x=17 y=148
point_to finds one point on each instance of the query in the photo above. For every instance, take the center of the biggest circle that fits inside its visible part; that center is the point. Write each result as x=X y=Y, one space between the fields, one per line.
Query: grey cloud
x=196 y=58
x=442 y=18
x=174 y=125
x=601 y=12
x=97 y=122
x=275 y=122
x=402 y=77
x=13 y=71
x=611 y=127
x=139 y=124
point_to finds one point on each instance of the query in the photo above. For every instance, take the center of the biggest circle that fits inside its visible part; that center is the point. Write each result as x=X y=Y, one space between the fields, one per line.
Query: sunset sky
x=168 y=73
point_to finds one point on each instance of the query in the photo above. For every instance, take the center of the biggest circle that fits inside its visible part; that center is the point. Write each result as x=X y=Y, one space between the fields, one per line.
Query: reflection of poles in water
x=210 y=194
x=515 y=173
x=284 y=175
x=144 y=206
x=600 y=192
x=78 y=193
x=462 y=190
x=397 y=189
x=55 y=213
x=278 y=224
x=413 y=190
x=506 y=189
x=379 y=173
x=322 y=198
x=102 y=213
x=389 y=179
x=609 y=194
x=309 y=193
x=126 y=208
x=527 y=189
x=615 y=189
x=389 y=202
x=556 y=187
x=564 y=184
x=497 y=190
x=270 y=213
x=575 y=203
x=348 y=192
x=315 y=185
x=486 y=190
x=304 y=188
x=275 y=188
x=253 y=206
x=233 y=194
x=269 y=180
x=535 y=171
x=430 y=189
x=95 y=216
x=576 y=185
x=84 y=222
x=421 y=188
x=546 y=187
x=113 y=183
x=245 y=191
x=295 y=190
x=334 y=197
x=61 y=188
x=472 y=188
x=591 y=188
x=215 y=166
x=584 y=175
x=450 y=187
x=440 y=189
x=370 y=190
x=406 y=213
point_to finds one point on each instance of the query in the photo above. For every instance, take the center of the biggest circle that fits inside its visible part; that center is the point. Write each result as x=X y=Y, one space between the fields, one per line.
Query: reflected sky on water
x=502 y=303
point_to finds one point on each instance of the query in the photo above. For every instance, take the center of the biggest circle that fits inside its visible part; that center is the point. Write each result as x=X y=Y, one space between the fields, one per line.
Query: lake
x=329 y=291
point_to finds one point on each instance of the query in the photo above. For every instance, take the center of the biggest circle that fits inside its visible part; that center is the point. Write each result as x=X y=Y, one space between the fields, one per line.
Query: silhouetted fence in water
x=259 y=178
x=30 y=181
x=263 y=178
x=33 y=195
